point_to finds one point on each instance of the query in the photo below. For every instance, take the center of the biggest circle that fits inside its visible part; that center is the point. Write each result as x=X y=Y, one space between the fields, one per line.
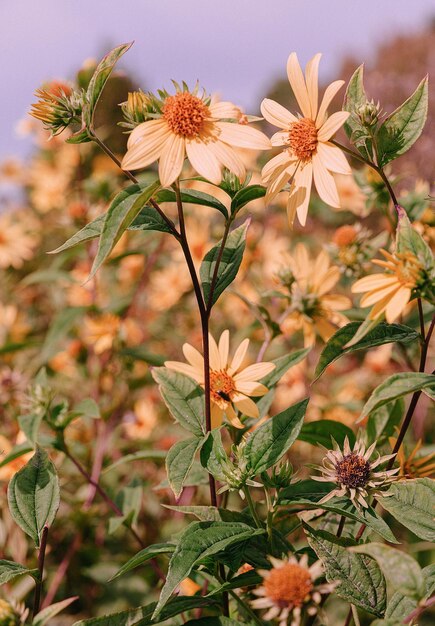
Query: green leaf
x=100 y=78
x=384 y=420
x=213 y=455
x=270 y=442
x=179 y=461
x=144 y=556
x=143 y=616
x=400 y=130
x=360 y=579
x=88 y=232
x=397 y=386
x=30 y=424
x=200 y=540
x=87 y=408
x=59 y=329
x=192 y=196
x=408 y=239
x=129 y=501
x=183 y=397
x=401 y=571
x=17 y=451
x=412 y=503
x=321 y=431
x=213 y=621
x=245 y=195
x=210 y=513
x=149 y=219
x=229 y=265
x=355 y=97
x=33 y=495
x=121 y=213
x=10 y=570
x=152 y=455
x=50 y=611
x=401 y=604
x=382 y=334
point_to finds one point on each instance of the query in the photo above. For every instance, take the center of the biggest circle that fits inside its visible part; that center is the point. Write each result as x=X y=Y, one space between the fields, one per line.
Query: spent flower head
x=353 y=472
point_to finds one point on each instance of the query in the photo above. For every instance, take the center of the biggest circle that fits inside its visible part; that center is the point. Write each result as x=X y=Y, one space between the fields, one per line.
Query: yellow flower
x=16 y=243
x=312 y=308
x=230 y=384
x=191 y=124
x=308 y=152
x=411 y=465
x=140 y=423
x=390 y=292
x=100 y=332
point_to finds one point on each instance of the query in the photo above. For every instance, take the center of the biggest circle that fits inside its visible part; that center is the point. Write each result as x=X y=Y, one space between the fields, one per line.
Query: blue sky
x=235 y=47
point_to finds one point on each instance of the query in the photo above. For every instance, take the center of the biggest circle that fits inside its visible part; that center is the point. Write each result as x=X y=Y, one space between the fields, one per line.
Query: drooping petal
x=329 y=94
x=242 y=136
x=171 y=160
x=229 y=158
x=232 y=416
x=300 y=192
x=325 y=183
x=203 y=160
x=297 y=83
x=217 y=416
x=245 y=405
x=224 y=343
x=333 y=158
x=331 y=125
x=276 y=114
x=239 y=356
x=312 y=81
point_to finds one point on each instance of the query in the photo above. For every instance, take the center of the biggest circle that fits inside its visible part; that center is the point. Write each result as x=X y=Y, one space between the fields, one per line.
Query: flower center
x=408 y=269
x=221 y=387
x=303 y=138
x=185 y=114
x=353 y=471
x=288 y=585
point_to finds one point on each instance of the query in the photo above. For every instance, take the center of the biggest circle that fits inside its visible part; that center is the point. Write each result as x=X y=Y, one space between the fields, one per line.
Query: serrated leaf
x=10 y=570
x=144 y=556
x=400 y=130
x=268 y=443
x=245 y=195
x=200 y=540
x=88 y=232
x=229 y=265
x=100 y=78
x=179 y=461
x=360 y=579
x=397 y=386
x=183 y=397
x=192 y=196
x=213 y=621
x=355 y=97
x=382 y=334
x=400 y=570
x=33 y=495
x=121 y=213
x=50 y=611
x=412 y=503
x=142 y=616
x=321 y=431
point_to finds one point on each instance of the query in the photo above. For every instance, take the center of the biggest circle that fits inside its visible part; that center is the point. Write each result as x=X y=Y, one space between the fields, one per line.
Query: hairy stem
x=252 y=508
x=41 y=559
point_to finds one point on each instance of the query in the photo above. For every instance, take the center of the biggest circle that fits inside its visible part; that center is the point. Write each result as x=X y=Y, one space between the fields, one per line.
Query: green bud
x=369 y=113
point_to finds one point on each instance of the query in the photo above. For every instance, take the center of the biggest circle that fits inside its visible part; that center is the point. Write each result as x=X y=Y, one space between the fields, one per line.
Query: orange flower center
x=288 y=585
x=185 y=114
x=221 y=387
x=303 y=138
x=345 y=235
x=353 y=471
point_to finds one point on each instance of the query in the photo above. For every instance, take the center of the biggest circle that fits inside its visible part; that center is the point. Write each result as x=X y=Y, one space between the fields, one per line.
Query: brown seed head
x=185 y=114
x=303 y=138
x=353 y=471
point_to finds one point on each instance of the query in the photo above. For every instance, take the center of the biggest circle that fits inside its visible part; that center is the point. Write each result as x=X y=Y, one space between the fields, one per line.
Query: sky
x=237 y=48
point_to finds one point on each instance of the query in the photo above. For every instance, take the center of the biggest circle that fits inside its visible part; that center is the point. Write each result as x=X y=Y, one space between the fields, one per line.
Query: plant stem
x=209 y=303
x=252 y=508
x=341 y=526
x=246 y=608
x=41 y=559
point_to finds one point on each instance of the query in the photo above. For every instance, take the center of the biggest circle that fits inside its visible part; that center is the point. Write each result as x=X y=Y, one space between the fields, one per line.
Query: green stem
x=252 y=508
x=41 y=559
x=209 y=303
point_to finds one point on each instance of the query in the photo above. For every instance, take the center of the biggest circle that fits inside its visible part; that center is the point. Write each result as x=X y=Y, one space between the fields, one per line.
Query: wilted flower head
x=230 y=383
x=190 y=123
x=352 y=472
x=307 y=151
x=58 y=106
x=412 y=464
x=289 y=588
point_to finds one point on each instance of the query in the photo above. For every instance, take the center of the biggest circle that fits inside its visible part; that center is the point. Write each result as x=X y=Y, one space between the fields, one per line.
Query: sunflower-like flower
x=390 y=292
x=230 y=383
x=189 y=123
x=312 y=308
x=412 y=464
x=307 y=153
x=58 y=106
x=352 y=472
x=289 y=588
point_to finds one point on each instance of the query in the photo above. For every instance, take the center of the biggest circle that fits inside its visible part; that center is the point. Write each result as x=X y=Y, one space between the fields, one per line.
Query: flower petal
x=225 y=110
x=276 y=114
x=245 y=405
x=312 y=80
x=333 y=158
x=147 y=150
x=224 y=343
x=171 y=160
x=297 y=83
x=281 y=159
x=183 y=368
x=397 y=303
x=254 y=372
x=300 y=192
x=331 y=125
x=243 y=136
x=325 y=183
x=251 y=388
x=239 y=356
x=229 y=158
x=194 y=357
x=329 y=94
x=215 y=358
x=281 y=138
x=203 y=160
x=144 y=130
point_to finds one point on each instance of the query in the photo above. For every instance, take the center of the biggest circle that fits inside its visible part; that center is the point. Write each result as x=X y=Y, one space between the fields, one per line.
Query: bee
x=224 y=396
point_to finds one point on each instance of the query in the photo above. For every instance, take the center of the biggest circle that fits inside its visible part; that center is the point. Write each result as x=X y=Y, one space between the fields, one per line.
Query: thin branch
x=41 y=559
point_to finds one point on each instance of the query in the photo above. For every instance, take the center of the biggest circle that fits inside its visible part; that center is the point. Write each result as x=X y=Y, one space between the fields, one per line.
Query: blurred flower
x=17 y=244
x=189 y=587
x=13 y=385
x=308 y=152
x=100 y=332
x=65 y=362
x=289 y=588
x=312 y=309
x=350 y=195
x=140 y=423
x=351 y=249
x=390 y=292
x=230 y=384
x=167 y=285
x=8 y=615
x=11 y=468
x=189 y=123
x=352 y=472
x=13 y=325
x=411 y=464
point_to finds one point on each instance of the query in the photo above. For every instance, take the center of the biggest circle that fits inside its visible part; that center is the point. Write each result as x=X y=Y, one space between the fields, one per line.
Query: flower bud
x=58 y=106
x=369 y=113
x=138 y=108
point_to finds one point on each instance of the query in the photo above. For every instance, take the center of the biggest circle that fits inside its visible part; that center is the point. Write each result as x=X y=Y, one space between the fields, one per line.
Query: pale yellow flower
x=350 y=195
x=141 y=422
x=390 y=292
x=313 y=309
x=191 y=124
x=100 y=332
x=308 y=152
x=17 y=244
x=230 y=383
